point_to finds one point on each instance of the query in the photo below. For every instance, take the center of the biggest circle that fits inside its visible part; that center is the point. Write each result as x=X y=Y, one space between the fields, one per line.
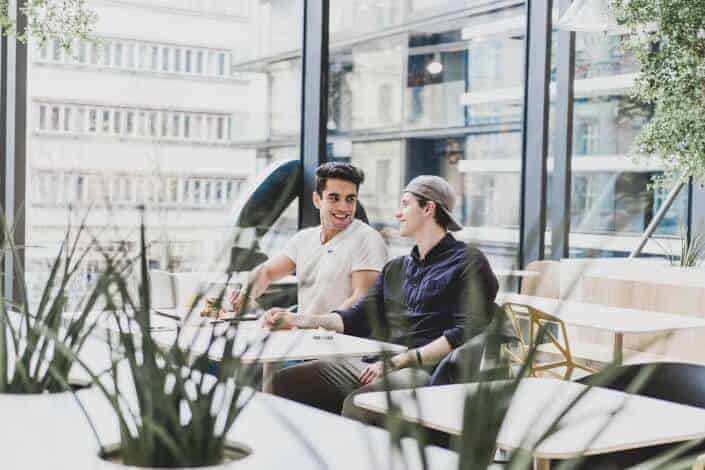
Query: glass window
x=171 y=180
x=129 y=122
x=82 y=52
x=188 y=59
x=164 y=119
x=613 y=200
x=67 y=119
x=176 y=131
x=106 y=53
x=117 y=61
x=94 y=53
x=155 y=58
x=187 y=126
x=117 y=122
x=105 y=121
x=42 y=117
x=221 y=63
x=199 y=62
x=55 y=110
x=440 y=96
x=56 y=50
x=165 y=59
x=130 y=56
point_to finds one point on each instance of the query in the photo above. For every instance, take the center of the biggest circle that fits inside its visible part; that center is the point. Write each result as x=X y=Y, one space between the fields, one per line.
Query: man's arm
x=260 y=279
x=362 y=281
x=352 y=321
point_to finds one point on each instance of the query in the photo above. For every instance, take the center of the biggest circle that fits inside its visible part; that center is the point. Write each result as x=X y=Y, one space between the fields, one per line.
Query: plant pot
x=111 y=458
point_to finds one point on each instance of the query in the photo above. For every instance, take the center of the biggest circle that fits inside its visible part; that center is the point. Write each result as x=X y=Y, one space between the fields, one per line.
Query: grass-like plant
x=30 y=336
x=171 y=412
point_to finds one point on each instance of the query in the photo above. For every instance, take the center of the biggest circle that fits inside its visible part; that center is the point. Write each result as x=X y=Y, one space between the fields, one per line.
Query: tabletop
x=614 y=319
x=619 y=421
x=49 y=431
x=258 y=344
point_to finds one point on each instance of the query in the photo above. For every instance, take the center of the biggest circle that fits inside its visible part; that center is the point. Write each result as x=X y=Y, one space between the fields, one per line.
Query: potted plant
x=172 y=412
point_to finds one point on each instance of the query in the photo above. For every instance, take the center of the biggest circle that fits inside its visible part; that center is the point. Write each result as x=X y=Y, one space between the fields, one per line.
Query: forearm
x=430 y=354
x=330 y=321
x=258 y=282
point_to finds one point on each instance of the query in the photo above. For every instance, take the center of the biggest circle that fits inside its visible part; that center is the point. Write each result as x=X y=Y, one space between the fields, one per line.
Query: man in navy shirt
x=432 y=300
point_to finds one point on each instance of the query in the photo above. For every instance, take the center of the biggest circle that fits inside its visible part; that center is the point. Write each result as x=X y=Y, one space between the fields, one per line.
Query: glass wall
x=432 y=87
x=612 y=199
x=182 y=120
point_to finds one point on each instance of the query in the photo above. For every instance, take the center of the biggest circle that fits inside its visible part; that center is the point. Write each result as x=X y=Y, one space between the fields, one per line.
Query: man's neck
x=328 y=233
x=427 y=238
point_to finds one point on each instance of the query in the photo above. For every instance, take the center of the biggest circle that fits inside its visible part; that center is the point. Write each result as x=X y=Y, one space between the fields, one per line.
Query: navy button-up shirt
x=449 y=293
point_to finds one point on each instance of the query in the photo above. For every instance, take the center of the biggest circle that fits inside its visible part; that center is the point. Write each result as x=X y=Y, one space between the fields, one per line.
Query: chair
x=542 y=326
x=672 y=381
x=478 y=359
x=547 y=283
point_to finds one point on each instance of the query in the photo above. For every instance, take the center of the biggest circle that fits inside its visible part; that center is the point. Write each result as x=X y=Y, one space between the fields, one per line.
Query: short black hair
x=439 y=215
x=338 y=170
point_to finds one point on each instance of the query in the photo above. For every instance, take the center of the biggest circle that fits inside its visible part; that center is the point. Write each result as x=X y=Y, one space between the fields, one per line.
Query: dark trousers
x=331 y=385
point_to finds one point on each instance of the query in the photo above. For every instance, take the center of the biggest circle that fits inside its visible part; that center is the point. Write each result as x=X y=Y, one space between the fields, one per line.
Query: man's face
x=337 y=204
x=411 y=215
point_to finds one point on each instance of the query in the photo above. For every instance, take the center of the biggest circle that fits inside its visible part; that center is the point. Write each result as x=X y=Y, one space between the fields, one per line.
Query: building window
x=131 y=56
x=188 y=61
x=177 y=60
x=42 y=117
x=165 y=59
x=118 y=54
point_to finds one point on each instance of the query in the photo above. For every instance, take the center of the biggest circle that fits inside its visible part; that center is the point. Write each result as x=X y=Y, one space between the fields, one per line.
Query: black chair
x=670 y=381
x=479 y=358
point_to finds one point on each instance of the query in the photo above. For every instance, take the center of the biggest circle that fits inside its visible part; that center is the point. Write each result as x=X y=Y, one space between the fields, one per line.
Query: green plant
x=64 y=21
x=29 y=337
x=668 y=39
x=171 y=412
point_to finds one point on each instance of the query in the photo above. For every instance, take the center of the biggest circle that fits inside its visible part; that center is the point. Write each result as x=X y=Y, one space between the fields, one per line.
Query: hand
x=211 y=309
x=237 y=300
x=372 y=372
x=277 y=318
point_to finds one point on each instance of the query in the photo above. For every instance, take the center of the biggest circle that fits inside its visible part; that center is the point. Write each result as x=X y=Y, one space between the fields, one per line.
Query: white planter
x=238 y=453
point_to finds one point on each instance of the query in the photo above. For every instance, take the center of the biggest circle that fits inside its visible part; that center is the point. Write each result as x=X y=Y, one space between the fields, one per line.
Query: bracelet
x=418 y=358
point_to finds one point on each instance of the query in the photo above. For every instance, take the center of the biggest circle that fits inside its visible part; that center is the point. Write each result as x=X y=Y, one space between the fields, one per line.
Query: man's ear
x=430 y=207
x=316 y=200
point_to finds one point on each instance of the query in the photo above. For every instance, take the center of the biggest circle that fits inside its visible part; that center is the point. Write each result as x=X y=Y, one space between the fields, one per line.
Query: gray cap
x=436 y=189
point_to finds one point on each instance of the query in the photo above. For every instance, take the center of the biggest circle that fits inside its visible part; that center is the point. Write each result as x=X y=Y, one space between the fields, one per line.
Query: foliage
x=171 y=412
x=28 y=337
x=668 y=39
x=63 y=20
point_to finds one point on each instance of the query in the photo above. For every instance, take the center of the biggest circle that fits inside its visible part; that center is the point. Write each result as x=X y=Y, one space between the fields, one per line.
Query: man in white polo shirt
x=336 y=262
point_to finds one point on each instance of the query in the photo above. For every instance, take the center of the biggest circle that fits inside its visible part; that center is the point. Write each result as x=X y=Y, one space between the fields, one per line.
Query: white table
x=50 y=432
x=257 y=344
x=638 y=422
x=614 y=319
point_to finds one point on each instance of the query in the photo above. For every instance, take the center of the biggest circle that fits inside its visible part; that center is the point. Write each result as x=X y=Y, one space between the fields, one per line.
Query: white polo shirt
x=324 y=271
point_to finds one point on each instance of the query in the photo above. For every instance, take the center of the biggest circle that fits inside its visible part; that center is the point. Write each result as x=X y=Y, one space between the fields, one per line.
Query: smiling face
x=412 y=216
x=336 y=204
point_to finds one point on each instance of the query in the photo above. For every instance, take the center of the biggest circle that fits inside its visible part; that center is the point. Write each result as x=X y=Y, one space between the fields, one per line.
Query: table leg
x=617 y=349
x=542 y=464
x=268 y=369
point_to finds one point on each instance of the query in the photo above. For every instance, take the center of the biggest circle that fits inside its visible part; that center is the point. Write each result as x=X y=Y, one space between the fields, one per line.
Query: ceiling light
x=434 y=68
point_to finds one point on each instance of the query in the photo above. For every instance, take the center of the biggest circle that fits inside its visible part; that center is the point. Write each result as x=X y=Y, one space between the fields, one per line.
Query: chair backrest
x=547 y=284
x=671 y=381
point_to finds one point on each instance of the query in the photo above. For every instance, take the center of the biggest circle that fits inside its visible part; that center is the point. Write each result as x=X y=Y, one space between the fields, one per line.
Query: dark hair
x=338 y=170
x=439 y=215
